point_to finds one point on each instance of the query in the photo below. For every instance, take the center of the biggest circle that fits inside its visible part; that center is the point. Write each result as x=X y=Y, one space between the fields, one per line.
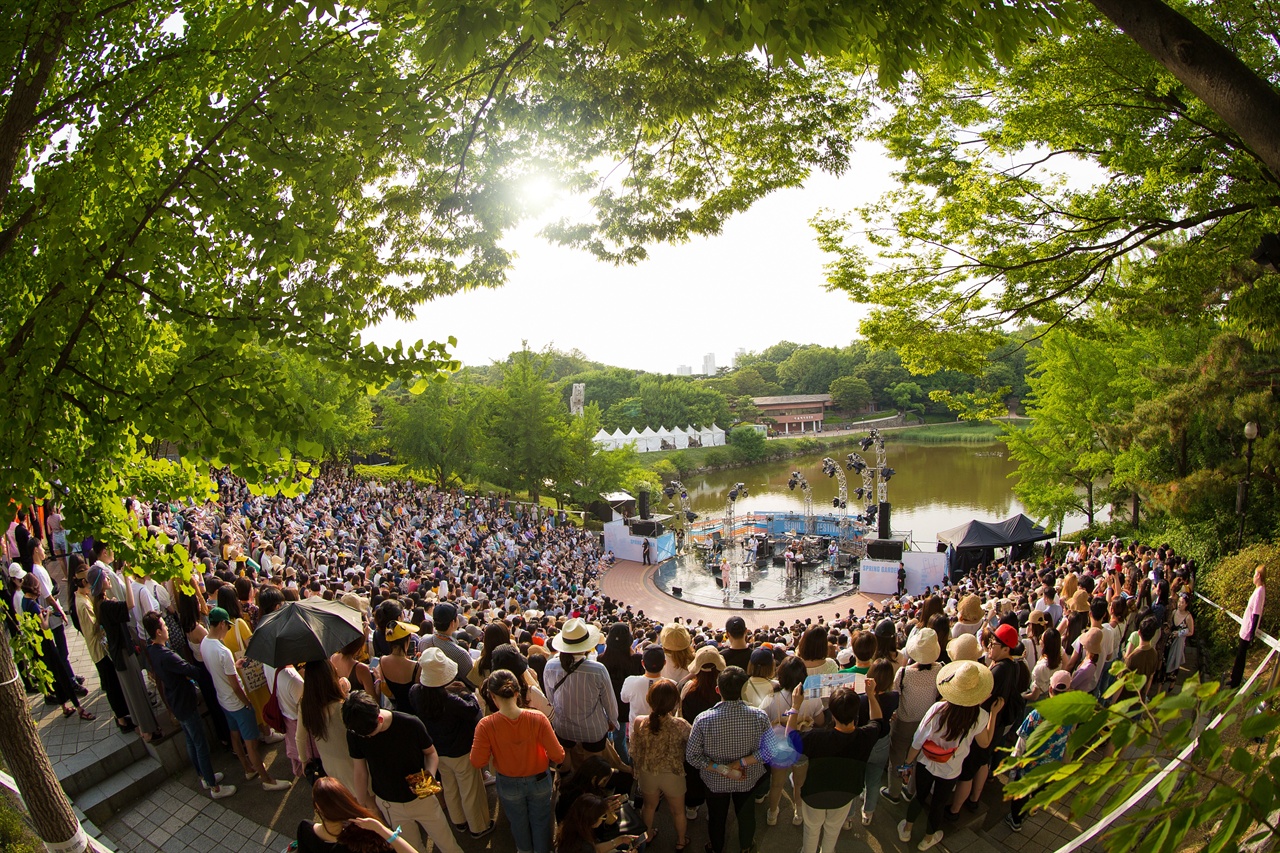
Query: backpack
x=271 y=713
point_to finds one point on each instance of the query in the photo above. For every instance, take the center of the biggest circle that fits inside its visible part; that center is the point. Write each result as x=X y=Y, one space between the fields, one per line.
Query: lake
x=935 y=487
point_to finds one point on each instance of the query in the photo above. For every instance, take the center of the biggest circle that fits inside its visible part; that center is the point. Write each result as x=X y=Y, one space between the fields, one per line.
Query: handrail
x=1172 y=767
x=1262 y=635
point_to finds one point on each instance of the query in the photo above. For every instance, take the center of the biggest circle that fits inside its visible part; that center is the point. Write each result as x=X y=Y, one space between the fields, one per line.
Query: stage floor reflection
x=770 y=586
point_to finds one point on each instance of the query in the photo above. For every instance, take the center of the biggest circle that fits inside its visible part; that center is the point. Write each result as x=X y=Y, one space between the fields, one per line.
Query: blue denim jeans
x=619 y=738
x=198 y=748
x=874 y=778
x=527 y=802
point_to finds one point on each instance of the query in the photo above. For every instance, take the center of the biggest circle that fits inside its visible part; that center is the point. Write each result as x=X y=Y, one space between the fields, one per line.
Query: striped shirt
x=727 y=732
x=583 y=700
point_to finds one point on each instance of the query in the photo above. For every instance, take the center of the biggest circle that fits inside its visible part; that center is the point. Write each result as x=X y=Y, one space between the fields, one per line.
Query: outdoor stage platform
x=770 y=587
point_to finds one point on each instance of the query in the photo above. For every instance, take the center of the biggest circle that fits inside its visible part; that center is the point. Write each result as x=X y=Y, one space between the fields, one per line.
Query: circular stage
x=770 y=587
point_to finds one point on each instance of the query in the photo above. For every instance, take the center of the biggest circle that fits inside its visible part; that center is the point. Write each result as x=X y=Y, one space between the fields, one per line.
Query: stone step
x=89 y=767
x=107 y=798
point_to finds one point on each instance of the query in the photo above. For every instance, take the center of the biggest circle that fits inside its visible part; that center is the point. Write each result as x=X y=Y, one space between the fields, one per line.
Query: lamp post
x=1242 y=495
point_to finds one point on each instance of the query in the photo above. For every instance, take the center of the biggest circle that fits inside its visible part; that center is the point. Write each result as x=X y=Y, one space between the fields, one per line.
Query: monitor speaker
x=885 y=549
x=744 y=586
x=719 y=583
x=748 y=603
x=839 y=574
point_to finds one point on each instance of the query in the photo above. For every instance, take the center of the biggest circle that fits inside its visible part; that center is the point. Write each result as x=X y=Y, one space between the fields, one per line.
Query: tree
x=527 y=430
x=850 y=394
x=589 y=471
x=905 y=396
x=985 y=231
x=748 y=443
x=439 y=432
x=809 y=370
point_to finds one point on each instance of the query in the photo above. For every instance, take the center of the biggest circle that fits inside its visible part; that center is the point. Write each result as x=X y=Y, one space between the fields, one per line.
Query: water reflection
x=936 y=486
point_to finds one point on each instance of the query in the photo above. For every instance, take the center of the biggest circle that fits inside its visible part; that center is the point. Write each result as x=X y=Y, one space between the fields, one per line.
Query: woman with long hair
x=1050 y=661
x=791 y=673
x=347 y=665
x=342 y=825
x=397 y=672
x=942 y=741
x=917 y=689
x=940 y=624
x=658 y=742
x=495 y=634
x=622 y=663
x=96 y=642
x=522 y=745
x=451 y=713
x=321 y=733
x=678 y=646
x=576 y=833
x=64 y=686
x=113 y=617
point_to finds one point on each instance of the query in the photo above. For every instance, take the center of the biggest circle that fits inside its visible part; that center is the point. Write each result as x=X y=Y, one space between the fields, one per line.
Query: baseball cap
x=654 y=659
x=443 y=615
x=1060 y=681
x=217 y=616
x=1008 y=636
x=16 y=570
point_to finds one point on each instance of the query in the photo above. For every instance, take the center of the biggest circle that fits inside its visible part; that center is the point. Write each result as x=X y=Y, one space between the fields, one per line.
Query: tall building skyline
x=709 y=364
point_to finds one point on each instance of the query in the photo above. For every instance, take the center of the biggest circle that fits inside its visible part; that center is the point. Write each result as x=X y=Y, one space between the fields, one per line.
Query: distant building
x=793 y=412
x=684 y=370
x=737 y=356
x=709 y=364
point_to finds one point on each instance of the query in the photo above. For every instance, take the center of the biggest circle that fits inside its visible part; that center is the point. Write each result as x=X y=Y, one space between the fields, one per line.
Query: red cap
x=1008 y=635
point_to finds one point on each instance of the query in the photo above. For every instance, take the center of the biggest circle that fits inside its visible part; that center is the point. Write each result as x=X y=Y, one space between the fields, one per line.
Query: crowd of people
x=490 y=657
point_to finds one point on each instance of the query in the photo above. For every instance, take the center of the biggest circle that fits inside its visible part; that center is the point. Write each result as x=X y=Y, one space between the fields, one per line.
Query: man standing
x=179 y=681
x=725 y=746
x=644 y=553
x=387 y=747
x=240 y=716
x=445 y=618
x=738 y=652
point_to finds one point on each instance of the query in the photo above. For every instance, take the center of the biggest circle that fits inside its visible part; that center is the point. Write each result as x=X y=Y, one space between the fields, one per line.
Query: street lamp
x=1242 y=494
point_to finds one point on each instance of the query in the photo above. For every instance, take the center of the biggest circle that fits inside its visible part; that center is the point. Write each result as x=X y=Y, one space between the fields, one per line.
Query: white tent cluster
x=661 y=439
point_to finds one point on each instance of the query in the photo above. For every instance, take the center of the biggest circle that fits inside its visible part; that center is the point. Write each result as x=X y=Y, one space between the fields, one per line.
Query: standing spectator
x=522 y=745
x=835 y=757
x=678 y=645
x=881 y=673
x=580 y=690
x=64 y=687
x=635 y=689
x=1054 y=749
x=737 y=651
x=286 y=686
x=1144 y=660
x=444 y=618
x=320 y=723
x=725 y=746
x=622 y=664
x=917 y=689
x=177 y=678
x=397 y=672
x=1184 y=629
x=234 y=701
x=388 y=747
x=451 y=713
x=1249 y=625
x=96 y=644
x=658 y=741
x=942 y=742
x=113 y=616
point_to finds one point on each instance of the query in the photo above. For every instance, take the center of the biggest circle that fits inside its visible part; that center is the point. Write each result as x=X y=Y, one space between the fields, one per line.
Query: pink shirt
x=1257 y=602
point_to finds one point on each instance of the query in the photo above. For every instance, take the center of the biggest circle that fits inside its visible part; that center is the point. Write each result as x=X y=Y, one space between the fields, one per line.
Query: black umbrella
x=301 y=631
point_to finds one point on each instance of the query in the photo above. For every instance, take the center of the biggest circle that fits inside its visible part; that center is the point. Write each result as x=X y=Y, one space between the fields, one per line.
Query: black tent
x=975 y=541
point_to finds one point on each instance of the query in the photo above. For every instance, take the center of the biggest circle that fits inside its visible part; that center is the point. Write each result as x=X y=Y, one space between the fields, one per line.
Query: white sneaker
x=222 y=792
x=904 y=831
x=217 y=780
x=796 y=819
x=277 y=785
x=930 y=841
x=274 y=737
x=866 y=818
x=771 y=817
x=690 y=814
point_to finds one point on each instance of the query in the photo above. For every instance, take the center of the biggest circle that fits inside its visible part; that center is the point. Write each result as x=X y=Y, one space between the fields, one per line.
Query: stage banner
x=924 y=569
x=878 y=576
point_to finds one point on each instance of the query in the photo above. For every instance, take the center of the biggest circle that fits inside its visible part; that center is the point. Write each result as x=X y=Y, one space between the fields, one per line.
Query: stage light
x=671 y=507
x=866 y=443
x=791 y=484
x=690 y=515
x=886 y=473
x=733 y=494
x=859 y=492
x=669 y=491
x=835 y=502
x=684 y=496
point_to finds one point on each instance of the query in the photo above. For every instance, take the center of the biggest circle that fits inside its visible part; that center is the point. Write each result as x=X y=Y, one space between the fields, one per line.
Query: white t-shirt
x=930 y=730
x=143 y=603
x=290 y=692
x=222 y=666
x=635 y=691
x=46 y=592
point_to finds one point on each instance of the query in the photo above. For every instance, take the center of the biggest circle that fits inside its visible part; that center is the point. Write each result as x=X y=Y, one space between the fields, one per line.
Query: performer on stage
x=724 y=574
x=833 y=553
x=790 y=557
x=752 y=546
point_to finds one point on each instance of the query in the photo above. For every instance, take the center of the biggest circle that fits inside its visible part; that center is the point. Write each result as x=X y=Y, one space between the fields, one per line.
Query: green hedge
x=15 y=837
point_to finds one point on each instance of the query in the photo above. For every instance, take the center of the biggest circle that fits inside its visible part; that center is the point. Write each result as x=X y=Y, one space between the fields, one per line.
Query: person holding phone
x=576 y=833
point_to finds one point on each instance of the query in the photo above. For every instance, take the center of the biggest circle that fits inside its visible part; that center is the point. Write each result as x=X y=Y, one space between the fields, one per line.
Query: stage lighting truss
x=810 y=521
x=738 y=491
x=675 y=487
x=841 y=501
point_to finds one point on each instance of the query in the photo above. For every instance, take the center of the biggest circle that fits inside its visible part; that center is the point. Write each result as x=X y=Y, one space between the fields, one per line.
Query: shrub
x=14 y=835
x=665 y=470
x=1230 y=583
x=807 y=445
x=716 y=456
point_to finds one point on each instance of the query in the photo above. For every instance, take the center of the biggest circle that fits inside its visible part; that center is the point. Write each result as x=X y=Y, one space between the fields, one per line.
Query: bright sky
x=760 y=281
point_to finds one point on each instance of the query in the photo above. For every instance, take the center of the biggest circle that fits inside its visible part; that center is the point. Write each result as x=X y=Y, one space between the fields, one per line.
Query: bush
x=666 y=470
x=748 y=443
x=1230 y=583
x=716 y=456
x=15 y=837
x=807 y=445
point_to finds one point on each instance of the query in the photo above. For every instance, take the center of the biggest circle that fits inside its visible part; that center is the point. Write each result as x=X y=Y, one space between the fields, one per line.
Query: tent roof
x=1018 y=530
x=616 y=497
x=648 y=431
x=602 y=434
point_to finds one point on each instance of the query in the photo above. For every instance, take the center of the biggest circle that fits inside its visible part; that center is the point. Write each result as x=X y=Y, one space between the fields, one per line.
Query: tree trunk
x=1088 y=506
x=1240 y=97
x=47 y=803
x=1136 y=503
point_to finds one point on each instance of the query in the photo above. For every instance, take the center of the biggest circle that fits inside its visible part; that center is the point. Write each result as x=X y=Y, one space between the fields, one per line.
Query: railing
x=1142 y=793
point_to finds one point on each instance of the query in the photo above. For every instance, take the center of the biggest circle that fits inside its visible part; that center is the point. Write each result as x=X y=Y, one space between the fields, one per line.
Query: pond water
x=935 y=487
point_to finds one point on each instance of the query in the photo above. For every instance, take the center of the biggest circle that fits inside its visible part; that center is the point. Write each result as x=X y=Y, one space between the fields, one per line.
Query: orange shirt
x=519 y=747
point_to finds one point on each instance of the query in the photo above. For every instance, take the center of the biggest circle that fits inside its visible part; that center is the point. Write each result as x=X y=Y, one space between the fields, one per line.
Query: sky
x=758 y=282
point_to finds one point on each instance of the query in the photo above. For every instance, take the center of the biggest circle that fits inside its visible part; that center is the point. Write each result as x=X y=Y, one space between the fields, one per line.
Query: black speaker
x=719 y=583
x=744 y=586
x=885 y=532
x=838 y=574
x=644 y=503
x=748 y=603
x=647 y=528
x=677 y=590
x=885 y=549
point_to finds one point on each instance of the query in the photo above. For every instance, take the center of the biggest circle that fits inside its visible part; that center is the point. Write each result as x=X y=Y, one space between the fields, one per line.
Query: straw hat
x=438 y=669
x=971 y=609
x=355 y=602
x=1091 y=640
x=1036 y=617
x=922 y=647
x=965 y=683
x=577 y=636
x=399 y=630
x=964 y=647
x=1080 y=601
x=708 y=656
x=674 y=638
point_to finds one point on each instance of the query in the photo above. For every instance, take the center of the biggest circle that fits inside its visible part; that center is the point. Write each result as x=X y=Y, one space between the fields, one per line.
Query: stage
x=770 y=587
